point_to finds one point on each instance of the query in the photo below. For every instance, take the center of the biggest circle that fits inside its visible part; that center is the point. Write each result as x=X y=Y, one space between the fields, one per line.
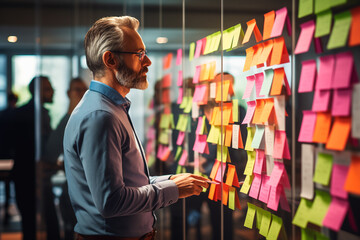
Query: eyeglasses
x=140 y=54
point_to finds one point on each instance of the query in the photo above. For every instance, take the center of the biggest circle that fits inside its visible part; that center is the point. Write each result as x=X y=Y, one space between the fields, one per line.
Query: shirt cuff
x=156 y=179
x=170 y=192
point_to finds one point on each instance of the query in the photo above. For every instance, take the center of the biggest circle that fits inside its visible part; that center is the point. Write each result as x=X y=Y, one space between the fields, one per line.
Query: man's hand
x=189 y=184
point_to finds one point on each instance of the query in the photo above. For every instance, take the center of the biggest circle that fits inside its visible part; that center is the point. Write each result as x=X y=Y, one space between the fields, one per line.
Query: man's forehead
x=132 y=39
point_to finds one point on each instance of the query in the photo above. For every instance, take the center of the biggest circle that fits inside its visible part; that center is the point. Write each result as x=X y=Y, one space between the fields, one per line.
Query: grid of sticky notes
x=265 y=93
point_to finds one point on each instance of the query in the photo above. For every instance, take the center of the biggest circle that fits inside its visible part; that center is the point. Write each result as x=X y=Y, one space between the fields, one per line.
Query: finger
x=199 y=177
x=201 y=183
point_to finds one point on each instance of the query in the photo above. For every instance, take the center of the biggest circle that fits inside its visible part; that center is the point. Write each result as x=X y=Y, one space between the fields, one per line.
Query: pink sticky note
x=283 y=200
x=318 y=45
x=279 y=144
x=285 y=180
x=249 y=86
x=160 y=151
x=281 y=17
x=180 y=138
x=307 y=76
x=306 y=35
x=196 y=93
x=344 y=67
x=339 y=173
x=321 y=100
x=180 y=96
x=307 y=127
x=151 y=133
x=179 y=56
x=219 y=177
x=276 y=173
x=200 y=96
x=199 y=125
x=255 y=186
x=265 y=189
x=325 y=72
x=259 y=79
x=336 y=214
x=198 y=48
x=200 y=143
x=183 y=158
x=341 y=103
x=274 y=197
x=179 y=79
x=197 y=74
x=250 y=112
x=259 y=161
x=286 y=154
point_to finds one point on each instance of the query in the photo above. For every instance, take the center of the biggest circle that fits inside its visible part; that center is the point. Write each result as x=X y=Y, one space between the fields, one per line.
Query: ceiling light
x=12 y=39
x=161 y=40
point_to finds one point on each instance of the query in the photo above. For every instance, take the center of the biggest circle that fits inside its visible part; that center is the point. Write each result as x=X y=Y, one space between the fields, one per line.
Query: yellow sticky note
x=221 y=157
x=232 y=198
x=216 y=41
x=238 y=36
x=265 y=223
x=191 y=51
x=250 y=215
x=228 y=35
x=247 y=183
x=250 y=135
x=184 y=102
x=319 y=207
x=250 y=163
x=301 y=217
x=188 y=107
x=275 y=227
x=214 y=134
x=235 y=110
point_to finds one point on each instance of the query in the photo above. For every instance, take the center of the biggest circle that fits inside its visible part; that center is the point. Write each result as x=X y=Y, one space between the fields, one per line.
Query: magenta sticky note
x=197 y=74
x=249 y=112
x=274 y=197
x=286 y=154
x=284 y=204
x=285 y=180
x=255 y=186
x=265 y=189
x=338 y=177
x=259 y=79
x=198 y=48
x=307 y=76
x=318 y=45
x=220 y=174
x=180 y=79
x=179 y=56
x=180 y=138
x=344 y=65
x=259 y=161
x=306 y=35
x=341 y=103
x=183 y=158
x=336 y=213
x=180 y=96
x=200 y=143
x=199 y=125
x=276 y=173
x=307 y=127
x=249 y=86
x=279 y=144
x=281 y=16
x=321 y=100
x=325 y=72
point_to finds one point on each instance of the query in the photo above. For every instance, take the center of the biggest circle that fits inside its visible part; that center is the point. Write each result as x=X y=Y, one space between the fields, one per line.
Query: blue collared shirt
x=109 y=185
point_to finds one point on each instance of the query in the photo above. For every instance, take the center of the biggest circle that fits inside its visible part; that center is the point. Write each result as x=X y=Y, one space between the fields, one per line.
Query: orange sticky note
x=225 y=194
x=167 y=61
x=217 y=116
x=212 y=191
x=252 y=27
x=269 y=105
x=165 y=96
x=322 y=127
x=278 y=80
x=237 y=201
x=258 y=49
x=213 y=115
x=260 y=103
x=214 y=169
x=339 y=133
x=226 y=115
x=230 y=175
x=279 y=52
x=269 y=19
x=248 y=59
x=268 y=46
x=354 y=37
x=212 y=70
x=228 y=135
x=226 y=90
x=353 y=177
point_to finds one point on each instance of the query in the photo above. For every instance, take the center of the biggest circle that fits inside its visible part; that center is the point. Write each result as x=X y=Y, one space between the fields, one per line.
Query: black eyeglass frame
x=140 y=54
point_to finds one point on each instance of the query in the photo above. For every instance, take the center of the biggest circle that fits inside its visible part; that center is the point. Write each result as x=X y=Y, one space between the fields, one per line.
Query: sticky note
x=179 y=56
x=179 y=81
x=250 y=163
x=323 y=23
x=344 y=72
x=225 y=196
x=280 y=19
x=279 y=53
x=307 y=234
x=188 y=107
x=250 y=83
x=269 y=19
x=275 y=228
x=336 y=214
x=306 y=7
x=214 y=134
x=269 y=139
x=214 y=169
x=260 y=103
x=252 y=27
x=259 y=79
x=259 y=161
x=280 y=145
x=322 y=127
x=191 y=51
x=200 y=144
x=306 y=35
x=307 y=76
x=307 y=127
x=258 y=48
x=323 y=168
x=321 y=100
x=279 y=106
x=322 y=5
x=220 y=172
x=235 y=110
x=198 y=48
x=238 y=36
x=338 y=178
x=228 y=36
x=249 y=139
x=325 y=73
x=355 y=111
x=283 y=200
x=250 y=216
x=353 y=177
x=246 y=185
x=265 y=189
x=301 y=217
x=278 y=80
x=269 y=164
x=250 y=112
x=340 y=30
x=274 y=197
x=259 y=214
x=248 y=59
x=319 y=207
x=307 y=169
x=222 y=95
x=231 y=177
x=255 y=186
x=341 y=103
x=232 y=194
x=339 y=133
x=276 y=174
x=221 y=153
x=354 y=38
x=267 y=110
x=180 y=138
x=257 y=141
x=183 y=158
x=266 y=51
x=236 y=136
x=267 y=83
x=228 y=135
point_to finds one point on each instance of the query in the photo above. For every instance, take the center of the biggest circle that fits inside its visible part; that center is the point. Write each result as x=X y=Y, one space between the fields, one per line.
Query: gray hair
x=106 y=35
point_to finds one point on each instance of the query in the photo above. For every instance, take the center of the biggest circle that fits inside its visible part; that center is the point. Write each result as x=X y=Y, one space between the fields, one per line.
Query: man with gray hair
x=111 y=191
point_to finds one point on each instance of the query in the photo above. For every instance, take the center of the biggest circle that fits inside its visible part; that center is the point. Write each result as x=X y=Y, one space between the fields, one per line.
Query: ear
x=109 y=60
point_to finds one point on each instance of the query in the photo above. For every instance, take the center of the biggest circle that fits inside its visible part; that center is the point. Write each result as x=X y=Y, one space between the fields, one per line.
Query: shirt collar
x=110 y=93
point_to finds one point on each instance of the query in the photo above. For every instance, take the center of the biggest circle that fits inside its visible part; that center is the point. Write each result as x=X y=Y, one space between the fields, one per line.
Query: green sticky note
x=221 y=157
x=213 y=134
x=319 y=207
x=340 y=30
x=268 y=79
x=188 y=106
x=235 y=110
x=179 y=122
x=320 y=236
x=179 y=169
x=249 y=139
x=250 y=163
x=232 y=193
x=250 y=215
x=337 y=2
x=259 y=215
x=184 y=123
x=322 y=5
x=171 y=120
x=184 y=102
x=306 y=7
x=203 y=126
x=247 y=183
x=265 y=223
x=191 y=51
x=257 y=141
x=228 y=36
x=238 y=36
x=164 y=121
x=323 y=23
x=301 y=217
x=178 y=153
x=163 y=136
x=275 y=227
x=323 y=168
x=307 y=234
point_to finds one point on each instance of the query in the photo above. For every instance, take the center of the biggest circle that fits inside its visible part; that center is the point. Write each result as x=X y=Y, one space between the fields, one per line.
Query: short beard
x=128 y=78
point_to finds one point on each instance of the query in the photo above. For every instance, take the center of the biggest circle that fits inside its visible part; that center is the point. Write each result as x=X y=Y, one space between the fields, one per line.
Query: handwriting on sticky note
x=249 y=86
x=307 y=167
